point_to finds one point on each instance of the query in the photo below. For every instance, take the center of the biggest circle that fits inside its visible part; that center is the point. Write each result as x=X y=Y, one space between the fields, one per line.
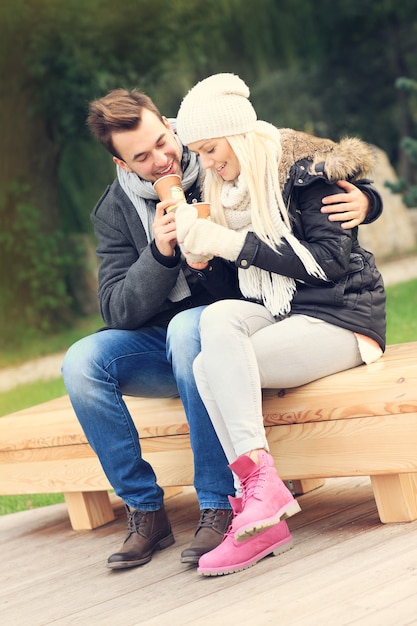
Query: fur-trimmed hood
x=349 y=159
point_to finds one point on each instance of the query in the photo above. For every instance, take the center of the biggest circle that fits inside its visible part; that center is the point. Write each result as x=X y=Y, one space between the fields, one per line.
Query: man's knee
x=183 y=337
x=77 y=360
x=184 y=328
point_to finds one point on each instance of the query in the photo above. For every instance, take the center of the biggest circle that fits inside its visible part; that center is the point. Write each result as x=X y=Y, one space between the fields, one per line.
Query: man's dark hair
x=119 y=110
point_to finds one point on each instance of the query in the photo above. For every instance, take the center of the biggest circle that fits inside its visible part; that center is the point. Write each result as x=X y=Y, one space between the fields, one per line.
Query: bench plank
x=358 y=447
x=385 y=387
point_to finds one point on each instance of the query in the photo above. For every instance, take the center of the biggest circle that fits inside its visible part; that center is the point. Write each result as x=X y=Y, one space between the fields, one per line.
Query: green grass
x=13 y=504
x=44 y=344
x=16 y=399
x=401 y=327
x=401 y=312
x=24 y=396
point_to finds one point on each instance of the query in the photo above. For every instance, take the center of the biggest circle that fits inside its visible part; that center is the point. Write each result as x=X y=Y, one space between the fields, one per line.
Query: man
x=147 y=350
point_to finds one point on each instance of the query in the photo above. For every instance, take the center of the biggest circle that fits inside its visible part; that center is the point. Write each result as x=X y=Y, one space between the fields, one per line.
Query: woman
x=313 y=301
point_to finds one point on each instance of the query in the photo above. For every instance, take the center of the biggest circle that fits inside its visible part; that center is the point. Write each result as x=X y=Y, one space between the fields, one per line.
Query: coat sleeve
x=133 y=285
x=375 y=208
x=328 y=243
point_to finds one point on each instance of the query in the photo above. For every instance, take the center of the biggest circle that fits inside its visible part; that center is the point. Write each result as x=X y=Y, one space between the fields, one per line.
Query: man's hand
x=200 y=265
x=351 y=207
x=164 y=228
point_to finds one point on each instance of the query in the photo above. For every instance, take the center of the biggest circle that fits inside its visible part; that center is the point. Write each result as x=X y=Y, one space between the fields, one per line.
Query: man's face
x=151 y=150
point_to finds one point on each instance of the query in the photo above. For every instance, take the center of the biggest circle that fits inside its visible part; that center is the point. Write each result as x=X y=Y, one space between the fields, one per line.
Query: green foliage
x=401 y=312
x=35 y=295
x=407 y=188
x=85 y=169
x=313 y=67
x=81 y=50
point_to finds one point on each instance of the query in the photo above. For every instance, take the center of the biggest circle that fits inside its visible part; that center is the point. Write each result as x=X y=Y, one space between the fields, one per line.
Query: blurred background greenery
x=328 y=68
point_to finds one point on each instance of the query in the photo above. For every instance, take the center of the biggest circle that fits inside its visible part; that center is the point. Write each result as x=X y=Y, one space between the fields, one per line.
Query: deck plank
x=346 y=568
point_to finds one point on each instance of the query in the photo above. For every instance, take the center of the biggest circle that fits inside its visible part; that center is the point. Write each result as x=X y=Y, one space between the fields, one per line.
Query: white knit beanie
x=217 y=106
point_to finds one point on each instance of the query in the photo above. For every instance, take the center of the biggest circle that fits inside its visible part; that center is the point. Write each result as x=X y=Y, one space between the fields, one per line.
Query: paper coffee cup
x=170 y=188
x=203 y=209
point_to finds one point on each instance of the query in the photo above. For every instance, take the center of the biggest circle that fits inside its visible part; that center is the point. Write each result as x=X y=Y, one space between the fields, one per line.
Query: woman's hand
x=350 y=207
x=185 y=217
x=208 y=239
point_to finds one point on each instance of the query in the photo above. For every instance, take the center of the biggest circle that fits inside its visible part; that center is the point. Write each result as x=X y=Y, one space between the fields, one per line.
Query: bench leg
x=89 y=509
x=170 y=492
x=396 y=497
x=299 y=487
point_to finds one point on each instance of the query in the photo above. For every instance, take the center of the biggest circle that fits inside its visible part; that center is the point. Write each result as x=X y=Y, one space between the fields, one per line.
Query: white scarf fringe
x=275 y=291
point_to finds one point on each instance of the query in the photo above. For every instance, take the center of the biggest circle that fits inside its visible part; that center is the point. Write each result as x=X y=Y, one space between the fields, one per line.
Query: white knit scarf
x=275 y=291
x=144 y=198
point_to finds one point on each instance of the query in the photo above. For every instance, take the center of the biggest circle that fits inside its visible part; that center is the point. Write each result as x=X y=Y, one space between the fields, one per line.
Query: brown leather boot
x=209 y=534
x=147 y=531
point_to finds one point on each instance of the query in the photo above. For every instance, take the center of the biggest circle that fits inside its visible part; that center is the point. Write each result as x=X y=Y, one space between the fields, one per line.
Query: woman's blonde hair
x=259 y=156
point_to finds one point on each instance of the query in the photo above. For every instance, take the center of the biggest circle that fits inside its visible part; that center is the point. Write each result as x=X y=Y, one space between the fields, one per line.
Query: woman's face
x=217 y=154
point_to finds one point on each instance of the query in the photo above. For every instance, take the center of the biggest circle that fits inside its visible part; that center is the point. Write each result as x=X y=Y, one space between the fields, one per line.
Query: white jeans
x=244 y=349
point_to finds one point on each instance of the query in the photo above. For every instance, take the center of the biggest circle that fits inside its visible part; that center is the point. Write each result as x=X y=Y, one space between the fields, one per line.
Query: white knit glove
x=207 y=238
x=185 y=216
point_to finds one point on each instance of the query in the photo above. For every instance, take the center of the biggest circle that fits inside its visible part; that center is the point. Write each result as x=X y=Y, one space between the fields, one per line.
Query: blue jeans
x=153 y=363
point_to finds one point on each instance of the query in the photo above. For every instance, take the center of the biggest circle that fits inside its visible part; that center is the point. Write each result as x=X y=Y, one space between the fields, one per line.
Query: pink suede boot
x=265 y=498
x=231 y=556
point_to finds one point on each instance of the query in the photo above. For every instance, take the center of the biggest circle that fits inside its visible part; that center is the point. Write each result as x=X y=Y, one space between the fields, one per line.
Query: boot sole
x=248 y=531
x=190 y=559
x=161 y=545
x=279 y=548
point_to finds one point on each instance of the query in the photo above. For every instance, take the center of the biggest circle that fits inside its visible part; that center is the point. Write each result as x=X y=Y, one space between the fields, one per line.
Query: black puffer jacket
x=353 y=295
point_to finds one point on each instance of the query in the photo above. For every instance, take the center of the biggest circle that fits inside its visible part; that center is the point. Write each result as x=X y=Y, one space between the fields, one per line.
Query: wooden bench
x=362 y=422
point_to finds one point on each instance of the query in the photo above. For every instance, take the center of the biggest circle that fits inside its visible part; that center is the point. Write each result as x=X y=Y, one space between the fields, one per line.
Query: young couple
x=274 y=288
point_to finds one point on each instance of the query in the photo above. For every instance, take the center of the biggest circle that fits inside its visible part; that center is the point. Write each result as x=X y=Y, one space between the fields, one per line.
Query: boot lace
x=252 y=484
x=210 y=518
x=136 y=521
x=229 y=531
x=207 y=518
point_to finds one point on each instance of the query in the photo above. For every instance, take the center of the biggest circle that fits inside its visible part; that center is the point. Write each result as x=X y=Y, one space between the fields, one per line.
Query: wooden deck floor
x=345 y=568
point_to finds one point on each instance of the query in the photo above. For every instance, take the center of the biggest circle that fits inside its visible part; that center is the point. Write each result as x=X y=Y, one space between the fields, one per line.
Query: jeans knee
x=183 y=336
x=77 y=364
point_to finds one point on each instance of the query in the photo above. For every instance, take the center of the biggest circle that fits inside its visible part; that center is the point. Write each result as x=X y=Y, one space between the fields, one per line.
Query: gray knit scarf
x=144 y=198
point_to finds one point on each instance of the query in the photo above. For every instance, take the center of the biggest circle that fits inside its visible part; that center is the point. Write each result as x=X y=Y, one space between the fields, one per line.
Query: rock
x=393 y=234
